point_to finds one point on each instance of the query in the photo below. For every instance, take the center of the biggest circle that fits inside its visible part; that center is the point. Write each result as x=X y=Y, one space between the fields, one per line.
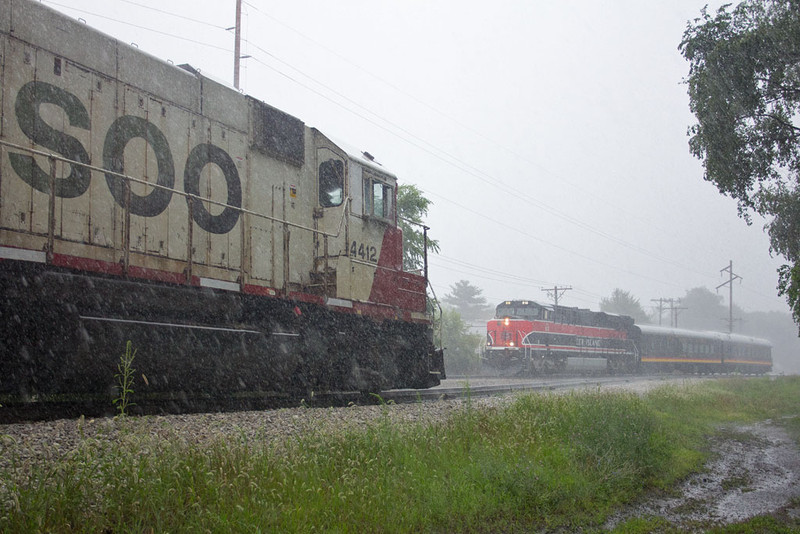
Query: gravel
x=30 y=443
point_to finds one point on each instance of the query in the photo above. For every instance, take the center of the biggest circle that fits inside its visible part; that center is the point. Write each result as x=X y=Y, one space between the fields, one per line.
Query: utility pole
x=237 y=45
x=729 y=283
x=553 y=292
x=674 y=309
x=661 y=302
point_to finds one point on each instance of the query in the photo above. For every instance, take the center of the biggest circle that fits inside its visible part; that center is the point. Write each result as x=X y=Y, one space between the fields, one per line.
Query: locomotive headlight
x=511 y=344
x=506 y=321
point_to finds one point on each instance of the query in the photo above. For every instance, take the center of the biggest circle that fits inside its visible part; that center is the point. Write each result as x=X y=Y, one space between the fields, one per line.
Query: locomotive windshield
x=521 y=310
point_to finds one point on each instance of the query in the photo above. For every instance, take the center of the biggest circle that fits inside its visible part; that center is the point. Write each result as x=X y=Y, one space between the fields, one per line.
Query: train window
x=504 y=311
x=378 y=199
x=331 y=183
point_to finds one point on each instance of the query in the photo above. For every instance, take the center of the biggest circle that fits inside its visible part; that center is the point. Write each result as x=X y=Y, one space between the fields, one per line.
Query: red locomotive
x=528 y=338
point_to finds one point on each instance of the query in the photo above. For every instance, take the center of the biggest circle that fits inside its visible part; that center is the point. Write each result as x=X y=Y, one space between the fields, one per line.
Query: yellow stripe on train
x=695 y=360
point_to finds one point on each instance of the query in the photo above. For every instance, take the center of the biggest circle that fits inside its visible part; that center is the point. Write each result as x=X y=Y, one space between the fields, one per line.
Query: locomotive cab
x=506 y=332
x=358 y=249
x=535 y=338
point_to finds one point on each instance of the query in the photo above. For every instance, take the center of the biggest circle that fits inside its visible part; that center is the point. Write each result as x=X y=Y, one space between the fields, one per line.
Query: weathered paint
x=238 y=195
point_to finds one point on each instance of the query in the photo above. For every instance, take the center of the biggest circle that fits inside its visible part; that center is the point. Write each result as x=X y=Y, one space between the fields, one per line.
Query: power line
x=554 y=245
x=393 y=128
x=452 y=161
x=146 y=28
x=170 y=13
x=436 y=110
x=508 y=276
x=458 y=163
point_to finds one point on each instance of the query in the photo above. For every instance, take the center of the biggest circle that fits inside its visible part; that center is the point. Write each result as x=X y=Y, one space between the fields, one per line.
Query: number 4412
x=365 y=252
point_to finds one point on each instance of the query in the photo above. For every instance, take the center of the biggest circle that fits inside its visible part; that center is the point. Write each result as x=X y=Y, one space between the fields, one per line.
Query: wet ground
x=754 y=470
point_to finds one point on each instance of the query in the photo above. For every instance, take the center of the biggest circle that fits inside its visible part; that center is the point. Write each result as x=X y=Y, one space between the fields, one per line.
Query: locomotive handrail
x=438 y=305
x=240 y=209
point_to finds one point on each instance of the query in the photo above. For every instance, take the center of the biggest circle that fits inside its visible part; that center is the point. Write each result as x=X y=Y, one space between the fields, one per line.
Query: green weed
x=124 y=378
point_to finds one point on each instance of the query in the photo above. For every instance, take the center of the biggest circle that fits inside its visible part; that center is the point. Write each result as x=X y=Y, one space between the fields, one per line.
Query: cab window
x=378 y=199
x=331 y=183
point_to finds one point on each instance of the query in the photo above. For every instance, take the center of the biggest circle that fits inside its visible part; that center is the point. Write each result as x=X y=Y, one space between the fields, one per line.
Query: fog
x=551 y=136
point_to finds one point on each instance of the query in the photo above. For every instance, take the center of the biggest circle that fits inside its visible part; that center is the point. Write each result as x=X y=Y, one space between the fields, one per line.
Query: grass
x=543 y=462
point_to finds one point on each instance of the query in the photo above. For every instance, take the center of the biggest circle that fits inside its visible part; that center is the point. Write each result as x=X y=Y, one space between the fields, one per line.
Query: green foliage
x=623 y=303
x=467 y=299
x=124 y=378
x=545 y=462
x=412 y=207
x=702 y=309
x=780 y=330
x=461 y=347
x=744 y=89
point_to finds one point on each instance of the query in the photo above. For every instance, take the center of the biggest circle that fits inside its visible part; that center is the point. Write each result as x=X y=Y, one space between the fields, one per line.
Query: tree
x=702 y=309
x=744 y=90
x=623 y=303
x=412 y=207
x=461 y=347
x=778 y=328
x=467 y=299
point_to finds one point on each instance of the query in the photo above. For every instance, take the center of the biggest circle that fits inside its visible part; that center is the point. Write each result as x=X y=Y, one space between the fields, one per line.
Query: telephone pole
x=729 y=283
x=674 y=307
x=237 y=44
x=661 y=302
x=555 y=292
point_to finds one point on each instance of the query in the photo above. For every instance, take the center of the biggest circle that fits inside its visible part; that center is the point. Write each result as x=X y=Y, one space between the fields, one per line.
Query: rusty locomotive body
x=239 y=250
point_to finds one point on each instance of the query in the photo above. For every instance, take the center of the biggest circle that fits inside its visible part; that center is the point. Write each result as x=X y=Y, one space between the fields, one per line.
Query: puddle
x=754 y=470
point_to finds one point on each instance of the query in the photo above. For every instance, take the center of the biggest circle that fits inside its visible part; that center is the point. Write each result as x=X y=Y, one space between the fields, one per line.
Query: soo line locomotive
x=527 y=338
x=242 y=252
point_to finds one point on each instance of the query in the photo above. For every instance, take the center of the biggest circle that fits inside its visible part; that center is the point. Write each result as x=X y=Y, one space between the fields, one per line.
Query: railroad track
x=454 y=388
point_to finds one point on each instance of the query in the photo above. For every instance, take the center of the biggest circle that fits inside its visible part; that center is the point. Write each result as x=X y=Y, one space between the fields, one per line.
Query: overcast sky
x=550 y=135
